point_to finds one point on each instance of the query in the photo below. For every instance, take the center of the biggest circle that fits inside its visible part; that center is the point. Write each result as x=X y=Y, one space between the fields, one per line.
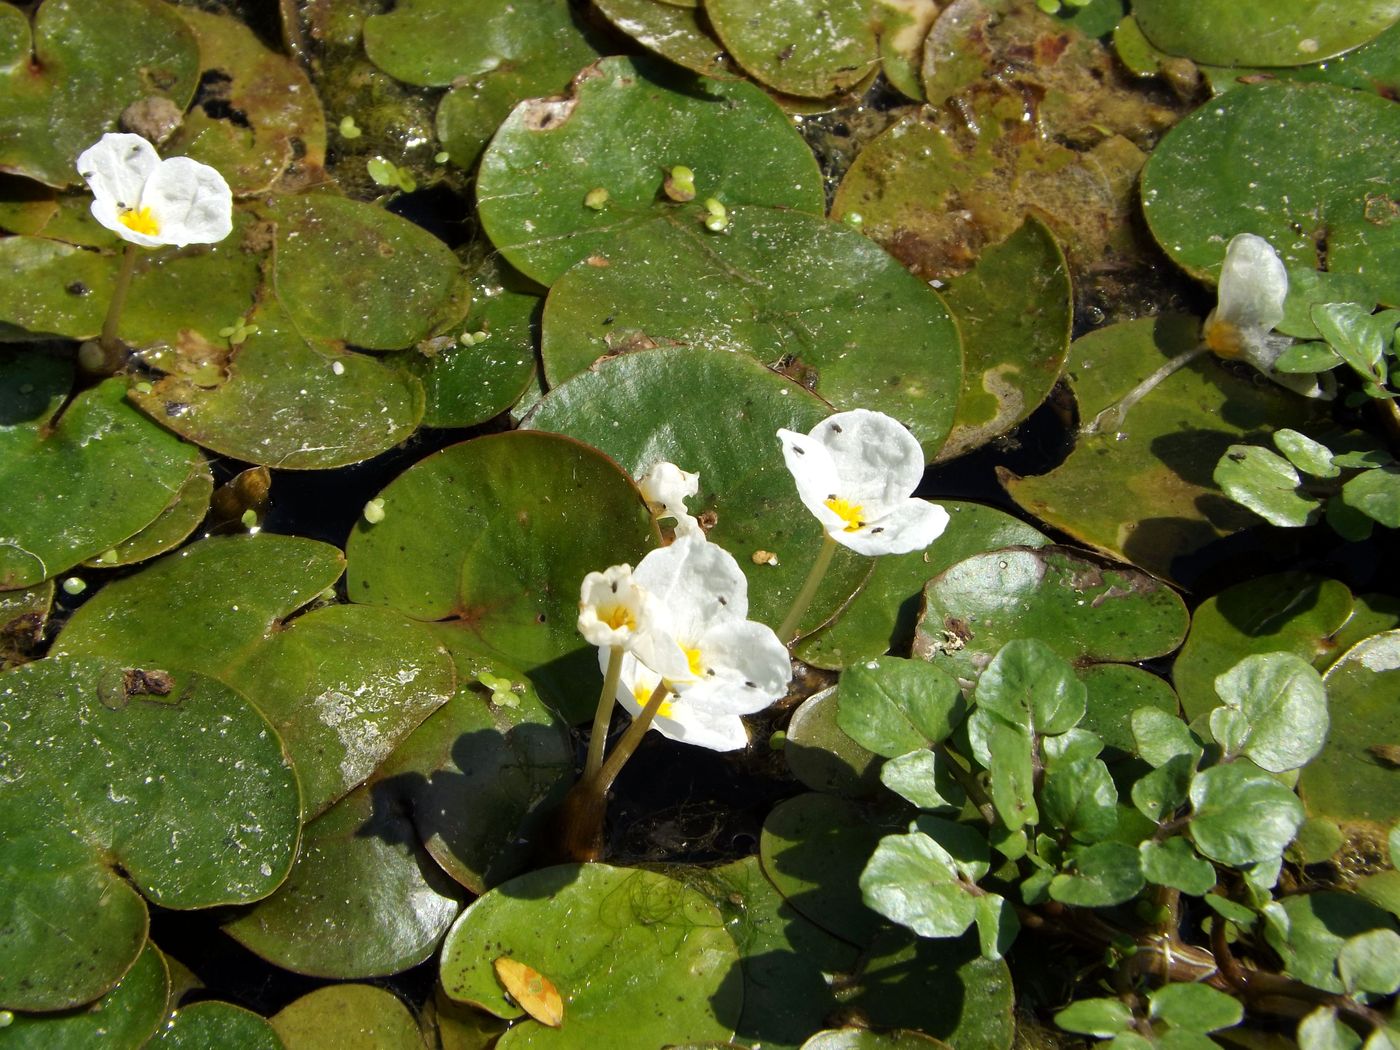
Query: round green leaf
x=677 y=32
x=1284 y=705
x=1115 y=692
x=211 y=1023
x=1278 y=33
x=882 y=616
x=1350 y=781
x=496 y=534
x=812 y=297
x=924 y=778
x=98 y=477
x=1080 y=797
x=350 y=271
x=1104 y=874
x=1028 y=684
x=1140 y=487
x=627 y=124
x=1267 y=484
x=1241 y=815
x=1100 y=1017
x=1319 y=925
x=902 y=26
x=822 y=756
x=1174 y=863
x=1195 y=1007
x=790 y=48
x=716 y=415
x=1370 y=962
x=1014 y=310
x=911 y=880
x=123 y=1019
x=1301 y=165
x=60 y=90
x=363 y=899
x=1374 y=66
x=1376 y=493
x=174 y=525
x=176 y=781
x=894 y=706
x=601 y=935
x=347 y=1017
x=1083 y=607
x=864 y=1039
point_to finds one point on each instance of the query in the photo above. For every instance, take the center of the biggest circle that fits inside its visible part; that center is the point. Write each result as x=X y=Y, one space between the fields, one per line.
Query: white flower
x=612 y=608
x=152 y=202
x=666 y=488
x=857 y=471
x=1252 y=290
x=718 y=664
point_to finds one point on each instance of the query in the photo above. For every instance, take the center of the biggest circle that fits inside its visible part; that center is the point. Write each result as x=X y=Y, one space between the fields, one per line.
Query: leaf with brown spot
x=534 y=991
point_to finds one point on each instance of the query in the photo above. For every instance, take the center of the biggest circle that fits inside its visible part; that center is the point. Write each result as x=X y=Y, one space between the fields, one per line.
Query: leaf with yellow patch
x=532 y=990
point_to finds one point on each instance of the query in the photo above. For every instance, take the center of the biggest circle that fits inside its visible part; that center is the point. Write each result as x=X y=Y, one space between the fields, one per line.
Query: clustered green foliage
x=1043 y=800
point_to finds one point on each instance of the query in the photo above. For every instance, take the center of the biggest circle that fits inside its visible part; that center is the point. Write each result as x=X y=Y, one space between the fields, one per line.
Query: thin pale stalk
x=292 y=37
x=1114 y=414
x=603 y=717
x=788 y=631
x=630 y=739
x=110 y=343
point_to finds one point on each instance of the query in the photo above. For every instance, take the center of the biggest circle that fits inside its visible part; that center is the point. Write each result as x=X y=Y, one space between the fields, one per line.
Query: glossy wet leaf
x=864 y=1039
x=1100 y=1017
x=894 y=706
x=174 y=525
x=93 y=60
x=1115 y=691
x=901 y=26
x=182 y=786
x=23 y=616
x=1103 y=874
x=1374 y=66
x=1319 y=925
x=1281 y=33
x=823 y=757
x=363 y=899
x=911 y=880
x=925 y=779
x=213 y=1023
x=1291 y=612
x=350 y=271
x=531 y=990
x=627 y=124
x=481 y=774
x=496 y=535
x=1350 y=781
x=782 y=45
x=630 y=409
x=882 y=616
x=1150 y=469
x=1226 y=170
x=1013 y=310
x=1085 y=608
x=1267 y=484
x=287 y=401
x=262 y=127
x=98 y=477
x=644 y=932
x=677 y=32
x=1375 y=493
x=123 y=1019
x=812 y=297
x=347 y=1017
x=1240 y=814
x=1174 y=863
x=1079 y=796
x=1284 y=705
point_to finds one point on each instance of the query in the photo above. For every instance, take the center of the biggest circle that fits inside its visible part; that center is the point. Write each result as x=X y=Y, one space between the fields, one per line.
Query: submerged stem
x=601 y=719
x=110 y=343
x=787 y=633
x=1115 y=413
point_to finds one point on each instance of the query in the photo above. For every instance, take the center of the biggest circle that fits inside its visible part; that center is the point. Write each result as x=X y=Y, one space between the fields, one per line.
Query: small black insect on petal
x=751 y=685
x=836 y=427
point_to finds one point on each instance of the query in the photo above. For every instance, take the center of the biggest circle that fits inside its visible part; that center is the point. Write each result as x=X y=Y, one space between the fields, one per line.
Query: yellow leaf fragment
x=534 y=991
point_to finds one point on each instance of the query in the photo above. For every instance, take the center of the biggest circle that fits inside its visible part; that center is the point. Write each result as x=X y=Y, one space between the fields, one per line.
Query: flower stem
x=599 y=737
x=110 y=343
x=1114 y=414
x=630 y=739
x=787 y=633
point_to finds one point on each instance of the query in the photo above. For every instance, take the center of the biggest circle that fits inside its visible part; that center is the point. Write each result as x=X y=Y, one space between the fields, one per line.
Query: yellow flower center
x=642 y=694
x=1224 y=339
x=692 y=657
x=617 y=617
x=850 y=513
x=140 y=220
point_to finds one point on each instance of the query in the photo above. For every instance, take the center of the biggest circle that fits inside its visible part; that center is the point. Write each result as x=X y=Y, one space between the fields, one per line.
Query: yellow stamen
x=852 y=515
x=1224 y=339
x=642 y=693
x=140 y=220
x=617 y=617
x=692 y=657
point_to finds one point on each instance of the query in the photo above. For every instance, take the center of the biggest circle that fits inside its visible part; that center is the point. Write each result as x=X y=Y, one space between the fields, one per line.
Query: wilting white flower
x=718 y=664
x=152 y=202
x=857 y=471
x=1252 y=290
x=666 y=488
x=612 y=608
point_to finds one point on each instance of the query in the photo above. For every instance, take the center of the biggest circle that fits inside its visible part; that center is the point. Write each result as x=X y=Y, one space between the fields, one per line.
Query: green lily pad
x=1014 y=310
x=864 y=1039
x=627 y=124
x=482 y=774
x=85 y=63
x=353 y=272
x=1086 y=609
x=262 y=125
x=882 y=617
x=469 y=384
x=23 y=616
x=1149 y=469
x=902 y=26
x=348 y=1017
x=285 y=401
x=1279 y=33
x=1302 y=165
x=601 y=935
x=823 y=757
x=678 y=32
x=175 y=781
x=790 y=48
x=1115 y=692
x=363 y=900
x=1374 y=66
x=813 y=849
x=1291 y=612
x=174 y=525
x=103 y=474
x=1349 y=781
x=212 y=1023
x=1318 y=925
x=123 y=1019
x=793 y=290
x=643 y=407
x=497 y=534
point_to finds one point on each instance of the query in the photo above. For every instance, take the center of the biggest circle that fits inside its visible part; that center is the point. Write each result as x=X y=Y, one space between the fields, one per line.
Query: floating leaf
x=1281 y=33
x=895 y=706
x=174 y=525
x=911 y=880
x=1241 y=815
x=678 y=32
x=1319 y=924
x=1284 y=707
x=1115 y=692
x=348 y=1017
x=532 y=991
x=627 y=124
x=1100 y=1017
x=1301 y=165
x=23 y=616
x=822 y=756
x=1267 y=484
x=782 y=45
x=210 y=1023
x=901 y=26
x=175 y=780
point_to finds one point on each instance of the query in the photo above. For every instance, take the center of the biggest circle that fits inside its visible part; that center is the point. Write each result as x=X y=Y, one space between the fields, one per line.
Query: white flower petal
x=695 y=583
x=812 y=467
x=911 y=526
x=878 y=461
x=666 y=487
x=718 y=732
x=744 y=669
x=116 y=168
x=190 y=200
x=1253 y=284
x=612 y=608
